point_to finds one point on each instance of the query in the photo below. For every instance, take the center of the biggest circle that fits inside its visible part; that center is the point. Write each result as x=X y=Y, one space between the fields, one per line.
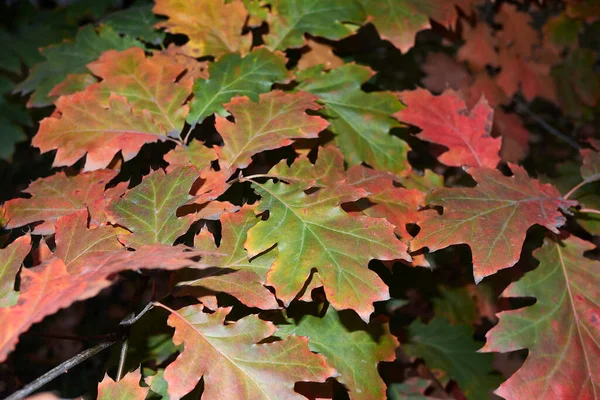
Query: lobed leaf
x=214 y=27
x=361 y=121
x=216 y=351
x=11 y=259
x=561 y=330
x=446 y=120
x=271 y=123
x=354 y=353
x=149 y=209
x=56 y=196
x=234 y=75
x=492 y=218
x=313 y=232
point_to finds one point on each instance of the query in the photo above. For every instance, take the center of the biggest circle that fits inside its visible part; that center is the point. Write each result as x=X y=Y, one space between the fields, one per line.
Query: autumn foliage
x=338 y=199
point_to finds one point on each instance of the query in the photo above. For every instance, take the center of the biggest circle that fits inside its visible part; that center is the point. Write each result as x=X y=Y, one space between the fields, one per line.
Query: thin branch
x=575 y=188
x=59 y=370
x=242 y=178
x=184 y=138
x=122 y=358
x=522 y=107
x=78 y=359
x=589 y=211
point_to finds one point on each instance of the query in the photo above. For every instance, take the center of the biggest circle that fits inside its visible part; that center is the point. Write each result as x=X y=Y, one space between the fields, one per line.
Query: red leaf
x=446 y=120
x=492 y=218
x=56 y=196
x=271 y=123
x=232 y=363
x=561 y=330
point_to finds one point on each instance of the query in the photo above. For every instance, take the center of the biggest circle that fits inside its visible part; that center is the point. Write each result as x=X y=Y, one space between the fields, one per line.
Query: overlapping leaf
x=452 y=350
x=148 y=84
x=214 y=27
x=353 y=353
x=75 y=243
x=231 y=362
x=127 y=388
x=195 y=154
x=49 y=287
x=492 y=218
x=11 y=259
x=291 y=19
x=399 y=20
x=70 y=58
x=360 y=120
x=560 y=329
x=149 y=209
x=236 y=274
x=312 y=231
x=136 y=22
x=446 y=120
x=398 y=205
x=85 y=127
x=44 y=290
x=56 y=196
x=271 y=123
x=232 y=254
x=234 y=75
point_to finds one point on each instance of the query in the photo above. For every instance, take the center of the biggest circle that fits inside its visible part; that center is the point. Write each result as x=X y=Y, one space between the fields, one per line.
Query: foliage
x=319 y=199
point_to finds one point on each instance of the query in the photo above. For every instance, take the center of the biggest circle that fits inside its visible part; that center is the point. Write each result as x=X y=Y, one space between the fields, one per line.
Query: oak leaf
x=75 y=243
x=319 y=54
x=74 y=133
x=11 y=259
x=128 y=388
x=492 y=218
x=234 y=75
x=55 y=196
x=561 y=330
x=446 y=120
x=70 y=58
x=360 y=120
x=214 y=350
x=149 y=209
x=195 y=154
x=149 y=84
x=312 y=231
x=271 y=123
x=289 y=20
x=236 y=274
x=214 y=27
x=44 y=290
x=354 y=350
x=398 y=205
x=452 y=350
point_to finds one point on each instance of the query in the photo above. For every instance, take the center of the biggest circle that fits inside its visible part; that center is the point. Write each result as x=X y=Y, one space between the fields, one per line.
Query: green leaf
x=137 y=22
x=70 y=58
x=361 y=121
x=313 y=232
x=291 y=19
x=399 y=20
x=11 y=259
x=149 y=209
x=233 y=76
x=410 y=389
x=452 y=349
x=354 y=353
x=457 y=305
